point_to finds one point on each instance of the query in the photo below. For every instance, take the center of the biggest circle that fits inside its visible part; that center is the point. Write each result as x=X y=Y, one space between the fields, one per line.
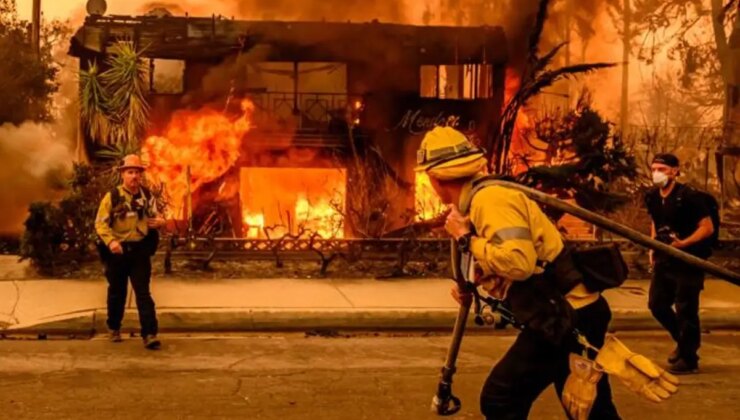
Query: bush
x=63 y=235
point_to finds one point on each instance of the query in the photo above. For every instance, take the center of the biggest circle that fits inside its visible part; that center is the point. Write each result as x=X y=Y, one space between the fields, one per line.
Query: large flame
x=428 y=204
x=296 y=201
x=206 y=141
x=320 y=217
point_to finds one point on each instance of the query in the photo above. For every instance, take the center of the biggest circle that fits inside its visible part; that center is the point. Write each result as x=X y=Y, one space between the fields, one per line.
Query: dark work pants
x=675 y=283
x=533 y=363
x=136 y=265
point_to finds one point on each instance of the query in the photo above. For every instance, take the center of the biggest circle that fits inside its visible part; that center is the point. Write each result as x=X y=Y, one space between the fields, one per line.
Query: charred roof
x=188 y=38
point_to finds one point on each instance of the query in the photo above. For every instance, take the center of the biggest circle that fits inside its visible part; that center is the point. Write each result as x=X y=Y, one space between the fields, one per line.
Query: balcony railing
x=306 y=112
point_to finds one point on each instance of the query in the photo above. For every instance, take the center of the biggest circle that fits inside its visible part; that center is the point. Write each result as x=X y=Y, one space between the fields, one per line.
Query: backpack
x=713 y=206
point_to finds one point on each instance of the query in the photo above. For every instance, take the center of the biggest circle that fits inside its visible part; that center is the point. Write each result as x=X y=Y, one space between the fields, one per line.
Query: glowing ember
x=205 y=140
x=292 y=201
x=428 y=205
x=319 y=217
x=253 y=225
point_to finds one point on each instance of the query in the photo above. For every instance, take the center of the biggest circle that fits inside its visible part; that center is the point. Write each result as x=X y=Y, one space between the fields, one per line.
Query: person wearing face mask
x=681 y=219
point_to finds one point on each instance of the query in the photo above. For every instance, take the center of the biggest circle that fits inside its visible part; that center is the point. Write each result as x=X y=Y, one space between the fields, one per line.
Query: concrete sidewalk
x=240 y=305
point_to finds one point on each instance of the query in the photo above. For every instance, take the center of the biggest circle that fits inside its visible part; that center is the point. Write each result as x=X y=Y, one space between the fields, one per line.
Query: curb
x=215 y=320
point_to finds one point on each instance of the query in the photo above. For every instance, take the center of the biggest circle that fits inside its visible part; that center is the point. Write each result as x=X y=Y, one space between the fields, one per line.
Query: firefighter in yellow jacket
x=126 y=224
x=511 y=240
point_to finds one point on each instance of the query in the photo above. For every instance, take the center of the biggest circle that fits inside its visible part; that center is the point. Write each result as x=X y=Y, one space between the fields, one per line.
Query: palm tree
x=113 y=103
x=535 y=78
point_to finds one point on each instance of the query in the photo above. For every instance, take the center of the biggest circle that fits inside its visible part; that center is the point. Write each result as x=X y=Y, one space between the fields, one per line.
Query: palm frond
x=539 y=25
x=543 y=62
x=116 y=152
x=93 y=101
x=550 y=77
x=126 y=82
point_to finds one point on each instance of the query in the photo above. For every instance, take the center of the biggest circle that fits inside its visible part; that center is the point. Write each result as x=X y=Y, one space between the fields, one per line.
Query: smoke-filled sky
x=388 y=10
x=35 y=162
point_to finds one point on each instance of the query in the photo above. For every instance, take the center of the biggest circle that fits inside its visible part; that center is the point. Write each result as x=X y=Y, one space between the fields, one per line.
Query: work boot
x=674 y=356
x=115 y=336
x=151 y=342
x=682 y=367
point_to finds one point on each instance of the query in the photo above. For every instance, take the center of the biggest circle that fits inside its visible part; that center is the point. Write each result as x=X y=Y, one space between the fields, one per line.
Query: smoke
x=34 y=164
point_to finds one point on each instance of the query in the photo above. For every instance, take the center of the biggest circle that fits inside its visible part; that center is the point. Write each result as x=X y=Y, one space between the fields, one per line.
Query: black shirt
x=681 y=211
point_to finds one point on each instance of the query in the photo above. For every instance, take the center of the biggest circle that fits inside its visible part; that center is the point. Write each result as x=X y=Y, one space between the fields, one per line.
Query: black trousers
x=533 y=363
x=675 y=283
x=134 y=264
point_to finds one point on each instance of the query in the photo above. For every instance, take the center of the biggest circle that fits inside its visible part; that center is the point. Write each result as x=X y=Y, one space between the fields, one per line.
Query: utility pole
x=627 y=36
x=568 y=23
x=36 y=28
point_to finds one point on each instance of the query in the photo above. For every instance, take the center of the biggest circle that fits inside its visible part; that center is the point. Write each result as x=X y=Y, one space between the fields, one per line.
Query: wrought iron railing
x=306 y=112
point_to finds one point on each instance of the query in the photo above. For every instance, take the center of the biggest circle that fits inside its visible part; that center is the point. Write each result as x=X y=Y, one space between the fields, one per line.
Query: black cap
x=666 y=159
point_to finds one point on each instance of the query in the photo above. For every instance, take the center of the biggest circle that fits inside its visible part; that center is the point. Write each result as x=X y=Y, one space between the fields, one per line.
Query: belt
x=131 y=245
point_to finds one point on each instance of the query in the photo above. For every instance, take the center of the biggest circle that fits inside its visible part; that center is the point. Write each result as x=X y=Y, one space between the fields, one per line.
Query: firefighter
x=126 y=225
x=514 y=247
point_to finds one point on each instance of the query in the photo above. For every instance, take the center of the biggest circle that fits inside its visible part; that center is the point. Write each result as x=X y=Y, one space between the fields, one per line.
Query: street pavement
x=294 y=376
x=69 y=306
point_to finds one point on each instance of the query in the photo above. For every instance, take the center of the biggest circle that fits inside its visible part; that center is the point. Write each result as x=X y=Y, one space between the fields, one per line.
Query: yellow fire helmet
x=445 y=147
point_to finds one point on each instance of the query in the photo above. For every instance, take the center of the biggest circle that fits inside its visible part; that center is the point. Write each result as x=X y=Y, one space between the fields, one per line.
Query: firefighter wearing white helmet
x=519 y=255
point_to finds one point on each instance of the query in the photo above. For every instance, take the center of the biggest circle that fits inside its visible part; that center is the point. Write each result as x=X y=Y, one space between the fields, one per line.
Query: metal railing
x=306 y=112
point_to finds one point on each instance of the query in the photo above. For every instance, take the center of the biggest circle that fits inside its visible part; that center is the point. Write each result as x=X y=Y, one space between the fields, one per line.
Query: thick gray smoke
x=33 y=167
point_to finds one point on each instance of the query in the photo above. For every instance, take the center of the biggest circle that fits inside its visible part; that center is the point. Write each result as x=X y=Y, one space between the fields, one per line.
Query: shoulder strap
x=115 y=200
x=115 y=197
x=478 y=185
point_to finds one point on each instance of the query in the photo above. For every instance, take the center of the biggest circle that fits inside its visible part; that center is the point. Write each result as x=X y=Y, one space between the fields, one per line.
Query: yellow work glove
x=636 y=371
x=579 y=391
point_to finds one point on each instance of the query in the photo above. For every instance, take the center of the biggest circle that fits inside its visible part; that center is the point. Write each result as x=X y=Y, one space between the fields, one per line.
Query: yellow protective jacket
x=127 y=226
x=512 y=235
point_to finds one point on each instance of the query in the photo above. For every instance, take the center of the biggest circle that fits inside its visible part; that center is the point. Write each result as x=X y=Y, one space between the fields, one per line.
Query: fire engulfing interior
x=206 y=141
x=428 y=204
x=296 y=201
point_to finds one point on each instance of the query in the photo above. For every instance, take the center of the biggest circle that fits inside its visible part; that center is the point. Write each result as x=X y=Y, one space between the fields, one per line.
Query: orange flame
x=428 y=204
x=523 y=122
x=320 y=217
x=253 y=224
x=206 y=140
x=292 y=200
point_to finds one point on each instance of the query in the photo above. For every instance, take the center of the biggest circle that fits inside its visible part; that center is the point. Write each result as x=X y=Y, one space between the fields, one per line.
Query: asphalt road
x=299 y=377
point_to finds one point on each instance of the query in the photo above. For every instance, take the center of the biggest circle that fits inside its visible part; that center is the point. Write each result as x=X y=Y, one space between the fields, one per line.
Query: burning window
x=428 y=205
x=168 y=76
x=467 y=81
x=297 y=201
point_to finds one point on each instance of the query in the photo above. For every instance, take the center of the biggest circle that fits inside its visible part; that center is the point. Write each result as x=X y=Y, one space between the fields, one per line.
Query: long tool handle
x=444 y=402
x=623 y=231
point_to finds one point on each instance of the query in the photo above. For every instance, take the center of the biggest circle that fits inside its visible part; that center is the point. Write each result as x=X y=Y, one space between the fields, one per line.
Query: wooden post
x=36 y=28
x=627 y=22
x=190 y=200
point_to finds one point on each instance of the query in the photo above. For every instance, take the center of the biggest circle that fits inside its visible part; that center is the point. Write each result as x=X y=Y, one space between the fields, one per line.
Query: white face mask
x=660 y=179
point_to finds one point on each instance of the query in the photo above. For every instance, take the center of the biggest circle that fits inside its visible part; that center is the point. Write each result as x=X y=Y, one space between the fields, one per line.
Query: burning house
x=265 y=127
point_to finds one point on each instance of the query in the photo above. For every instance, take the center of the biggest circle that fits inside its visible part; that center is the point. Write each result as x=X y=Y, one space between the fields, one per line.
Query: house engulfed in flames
x=271 y=120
